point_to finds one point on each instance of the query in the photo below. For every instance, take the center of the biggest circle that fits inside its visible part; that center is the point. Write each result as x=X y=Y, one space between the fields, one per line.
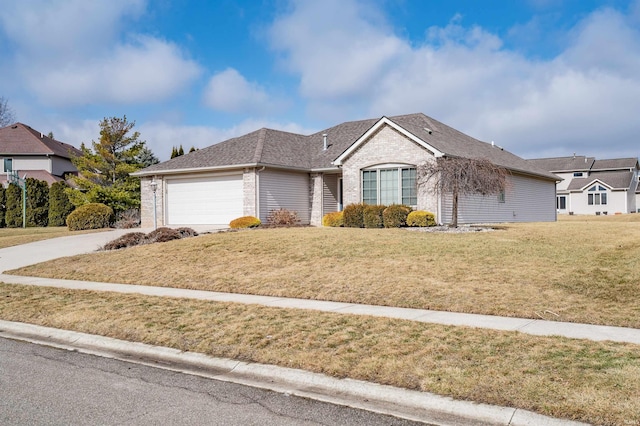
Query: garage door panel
x=212 y=200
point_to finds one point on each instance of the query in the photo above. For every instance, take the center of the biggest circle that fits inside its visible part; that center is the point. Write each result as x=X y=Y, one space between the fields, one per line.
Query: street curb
x=403 y=403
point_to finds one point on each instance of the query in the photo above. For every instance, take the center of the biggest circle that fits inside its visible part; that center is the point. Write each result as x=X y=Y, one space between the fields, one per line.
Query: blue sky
x=539 y=77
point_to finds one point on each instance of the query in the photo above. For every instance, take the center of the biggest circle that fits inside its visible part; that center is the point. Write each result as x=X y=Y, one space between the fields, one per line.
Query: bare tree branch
x=462 y=176
x=6 y=113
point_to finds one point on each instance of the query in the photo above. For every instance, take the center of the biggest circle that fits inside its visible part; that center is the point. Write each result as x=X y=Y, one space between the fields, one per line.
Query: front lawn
x=580 y=269
x=596 y=382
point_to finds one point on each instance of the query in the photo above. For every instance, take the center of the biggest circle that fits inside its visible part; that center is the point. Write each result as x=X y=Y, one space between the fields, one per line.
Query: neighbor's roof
x=276 y=148
x=575 y=163
x=616 y=180
x=615 y=164
x=36 y=174
x=20 y=139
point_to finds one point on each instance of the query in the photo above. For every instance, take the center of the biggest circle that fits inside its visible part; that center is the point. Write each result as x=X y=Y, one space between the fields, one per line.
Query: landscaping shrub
x=3 y=206
x=128 y=219
x=162 y=235
x=333 y=219
x=59 y=205
x=90 y=216
x=353 y=215
x=127 y=240
x=186 y=232
x=245 y=222
x=37 y=202
x=282 y=217
x=372 y=216
x=13 y=201
x=395 y=216
x=421 y=218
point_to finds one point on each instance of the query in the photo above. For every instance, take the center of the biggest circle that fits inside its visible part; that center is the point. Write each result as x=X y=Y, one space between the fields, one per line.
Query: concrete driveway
x=42 y=251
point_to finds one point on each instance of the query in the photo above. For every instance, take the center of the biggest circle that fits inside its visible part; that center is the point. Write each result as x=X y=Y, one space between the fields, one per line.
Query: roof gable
x=20 y=139
x=613 y=180
x=384 y=121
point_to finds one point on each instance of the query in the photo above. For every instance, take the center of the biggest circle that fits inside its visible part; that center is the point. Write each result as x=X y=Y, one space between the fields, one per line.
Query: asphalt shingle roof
x=277 y=148
x=575 y=163
x=20 y=139
x=617 y=180
x=615 y=164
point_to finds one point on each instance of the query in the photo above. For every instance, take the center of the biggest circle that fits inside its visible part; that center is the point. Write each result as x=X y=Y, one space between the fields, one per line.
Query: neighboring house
x=591 y=186
x=26 y=151
x=373 y=161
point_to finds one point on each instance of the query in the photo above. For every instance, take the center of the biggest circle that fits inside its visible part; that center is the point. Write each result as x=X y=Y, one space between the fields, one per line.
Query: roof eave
x=143 y=173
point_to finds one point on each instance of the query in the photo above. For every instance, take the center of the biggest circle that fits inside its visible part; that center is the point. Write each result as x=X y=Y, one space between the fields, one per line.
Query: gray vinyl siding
x=284 y=190
x=330 y=194
x=526 y=200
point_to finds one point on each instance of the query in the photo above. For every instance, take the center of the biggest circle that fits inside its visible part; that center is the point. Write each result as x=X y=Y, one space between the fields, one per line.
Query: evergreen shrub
x=245 y=222
x=421 y=218
x=372 y=216
x=59 y=205
x=395 y=216
x=353 y=215
x=90 y=216
x=333 y=219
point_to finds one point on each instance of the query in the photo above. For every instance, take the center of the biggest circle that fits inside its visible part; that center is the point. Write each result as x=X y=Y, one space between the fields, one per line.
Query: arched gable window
x=597 y=195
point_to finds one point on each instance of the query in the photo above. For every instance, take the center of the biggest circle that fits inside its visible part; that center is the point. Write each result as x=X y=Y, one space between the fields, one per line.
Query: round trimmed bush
x=245 y=222
x=353 y=215
x=90 y=216
x=421 y=218
x=333 y=219
x=372 y=216
x=395 y=216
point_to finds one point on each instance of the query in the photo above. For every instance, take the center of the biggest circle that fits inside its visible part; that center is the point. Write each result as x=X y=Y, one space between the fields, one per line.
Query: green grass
x=596 y=382
x=580 y=269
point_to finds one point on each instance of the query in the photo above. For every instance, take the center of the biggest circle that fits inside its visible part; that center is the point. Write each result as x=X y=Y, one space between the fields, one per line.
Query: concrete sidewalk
x=523 y=325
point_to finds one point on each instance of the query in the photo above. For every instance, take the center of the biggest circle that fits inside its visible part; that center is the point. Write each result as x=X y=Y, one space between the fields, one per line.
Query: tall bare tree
x=462 y=176
x=6 y=113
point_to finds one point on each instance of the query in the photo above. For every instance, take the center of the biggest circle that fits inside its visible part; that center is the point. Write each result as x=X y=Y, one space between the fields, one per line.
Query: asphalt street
x=41 y=385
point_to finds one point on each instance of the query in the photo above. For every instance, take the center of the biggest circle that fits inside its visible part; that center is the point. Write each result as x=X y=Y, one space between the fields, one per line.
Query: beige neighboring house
x=373 y=161
x=591 y=186
x=26 y=151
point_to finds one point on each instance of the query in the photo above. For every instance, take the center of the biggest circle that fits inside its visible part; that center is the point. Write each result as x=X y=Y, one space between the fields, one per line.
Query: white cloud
x=229 y=91
x=583 y=100
x=69 y=52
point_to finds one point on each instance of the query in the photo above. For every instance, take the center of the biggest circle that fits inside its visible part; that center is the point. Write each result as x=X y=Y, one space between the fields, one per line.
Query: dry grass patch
x=15 y=236
x=589 y=381
x=573 y=270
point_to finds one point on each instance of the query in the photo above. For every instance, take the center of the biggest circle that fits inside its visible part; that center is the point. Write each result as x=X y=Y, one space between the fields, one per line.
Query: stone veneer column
x=249 y=193
x=315 y=198
x=146 y=201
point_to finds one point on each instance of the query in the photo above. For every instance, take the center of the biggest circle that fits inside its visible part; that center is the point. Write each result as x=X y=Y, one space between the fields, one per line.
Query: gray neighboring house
x=591 y=186
x=29 y=152
x=372 y=161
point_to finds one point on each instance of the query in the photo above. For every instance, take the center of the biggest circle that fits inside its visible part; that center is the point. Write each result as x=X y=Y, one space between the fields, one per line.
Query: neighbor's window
x=390 y=185
x=8 y=165
x=561 y=202
x=577 y=174
x=597 y=195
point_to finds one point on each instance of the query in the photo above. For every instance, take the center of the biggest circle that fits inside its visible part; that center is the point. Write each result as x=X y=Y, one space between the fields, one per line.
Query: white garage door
x=211 y=200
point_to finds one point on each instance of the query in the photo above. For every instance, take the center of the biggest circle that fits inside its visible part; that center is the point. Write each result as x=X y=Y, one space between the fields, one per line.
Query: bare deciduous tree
x=462 y=176
x=6 y=113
